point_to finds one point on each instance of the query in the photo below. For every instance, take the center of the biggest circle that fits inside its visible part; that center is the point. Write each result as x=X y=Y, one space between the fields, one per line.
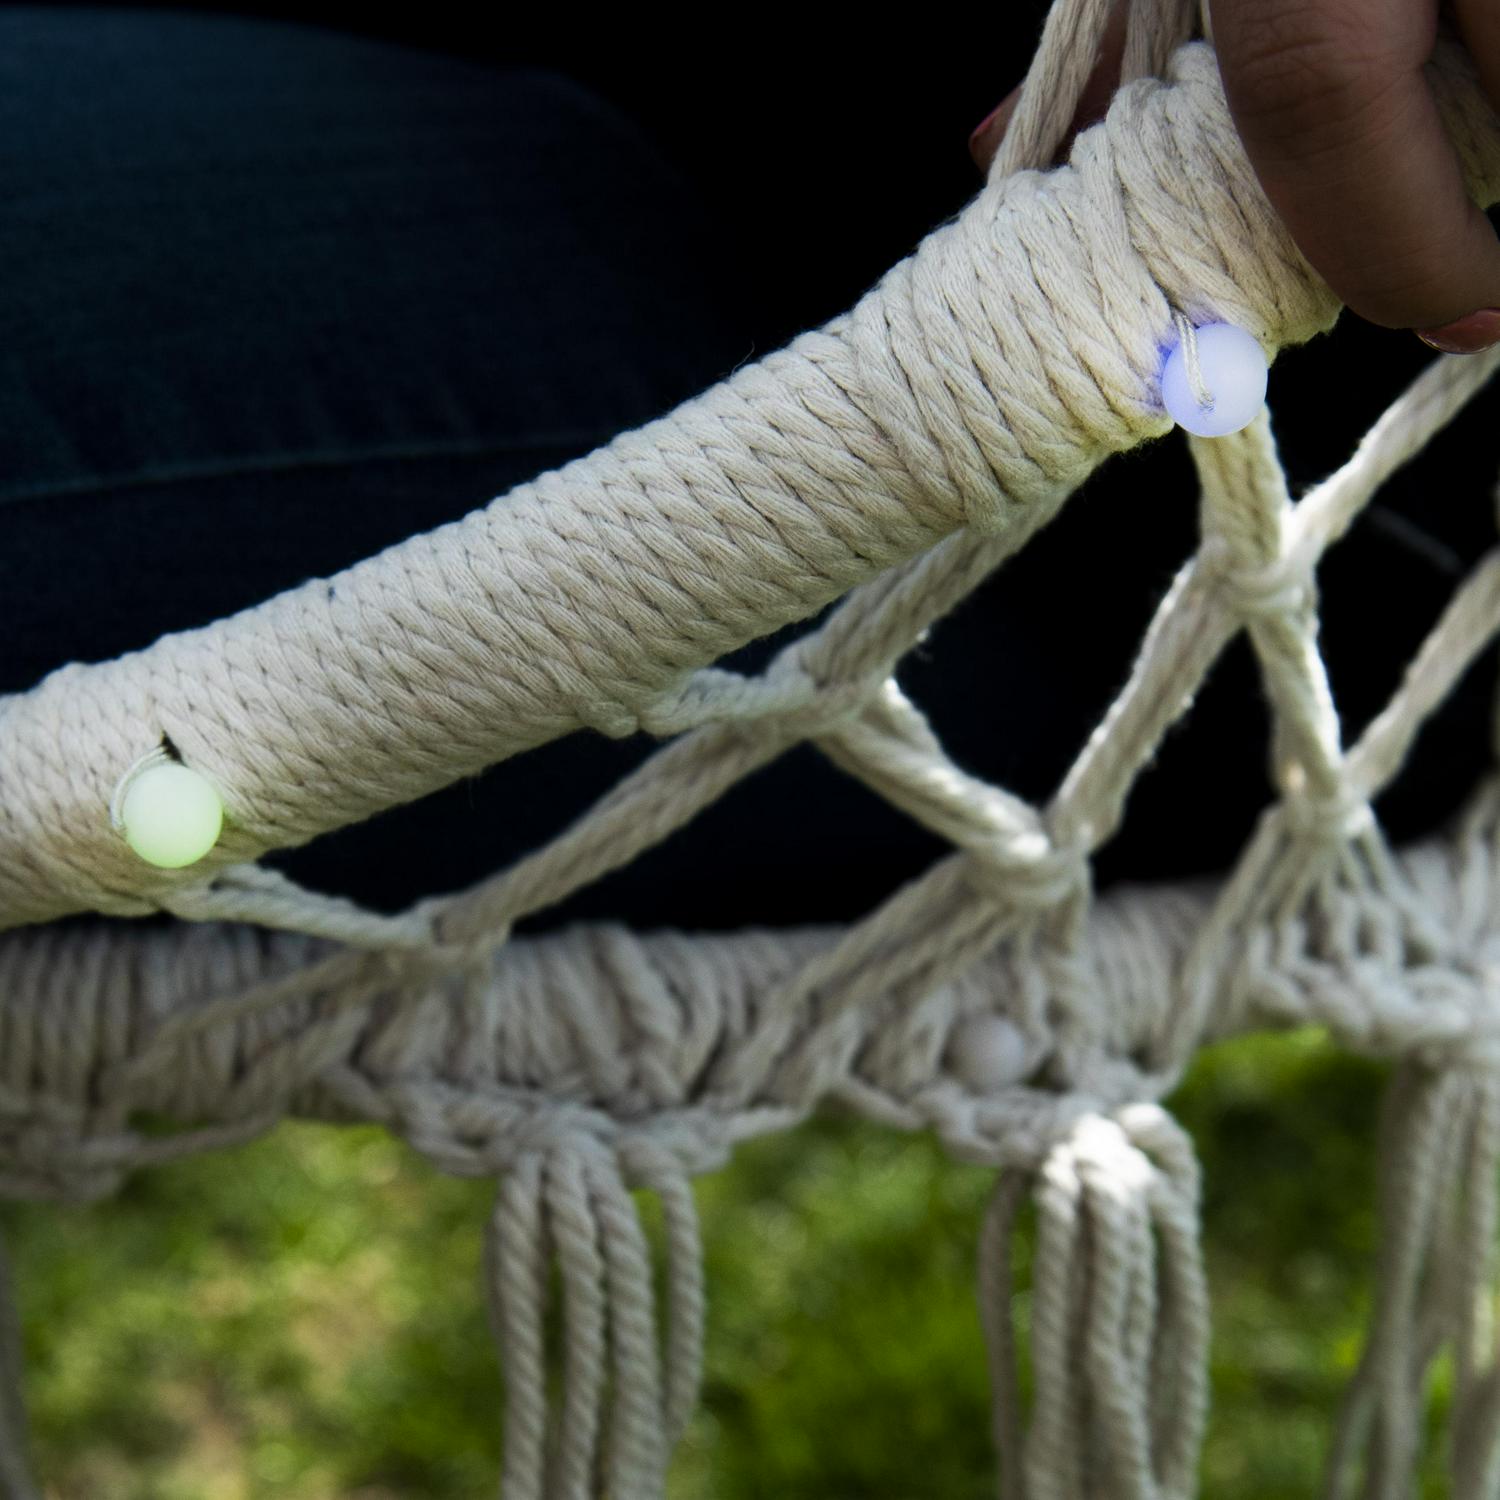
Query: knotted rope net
x=889 y=461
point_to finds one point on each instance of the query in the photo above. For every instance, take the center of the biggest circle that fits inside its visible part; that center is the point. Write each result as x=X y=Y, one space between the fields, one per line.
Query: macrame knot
x=1256 y=592
x=831 y=708
x=1025 y=871
x=1092 y=1069
x=545 y=1124
x=1345 y=815
x=608 y=716
x=439 y=954
x=686 y=1142
x=809 y=703
x=787 y=702
x=709 y=695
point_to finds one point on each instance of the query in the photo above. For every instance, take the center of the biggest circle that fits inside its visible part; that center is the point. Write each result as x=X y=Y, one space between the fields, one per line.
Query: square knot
x=1344 y=815
x=1129 y=1144
x=1026 y=871
x=1257 y=591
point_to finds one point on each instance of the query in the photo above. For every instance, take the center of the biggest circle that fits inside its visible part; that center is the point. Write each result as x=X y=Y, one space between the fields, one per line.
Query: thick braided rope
x=978 y=383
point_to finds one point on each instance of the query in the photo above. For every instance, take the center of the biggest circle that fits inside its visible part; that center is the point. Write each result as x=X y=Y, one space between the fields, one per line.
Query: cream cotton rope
x=977 y=384
x=890 y=461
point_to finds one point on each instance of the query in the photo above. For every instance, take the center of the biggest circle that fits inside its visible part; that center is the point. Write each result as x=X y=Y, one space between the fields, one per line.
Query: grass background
x=302 y=1317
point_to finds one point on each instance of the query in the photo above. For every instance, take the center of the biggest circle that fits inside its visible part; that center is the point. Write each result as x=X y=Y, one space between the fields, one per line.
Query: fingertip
x=1428 y=282
x=984 y=140
x=1469 y=335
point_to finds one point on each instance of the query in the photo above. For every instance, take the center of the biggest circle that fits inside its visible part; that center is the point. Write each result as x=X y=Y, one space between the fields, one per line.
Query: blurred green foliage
x=302 y=1317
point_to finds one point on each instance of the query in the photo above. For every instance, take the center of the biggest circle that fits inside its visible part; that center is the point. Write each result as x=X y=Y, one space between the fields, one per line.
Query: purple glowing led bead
x=1234 y=372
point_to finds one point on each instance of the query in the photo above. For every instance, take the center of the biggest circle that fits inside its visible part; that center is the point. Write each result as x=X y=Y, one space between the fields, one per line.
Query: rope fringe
x=1119 y=1316
x=621 y=1414
x=1435 y=1286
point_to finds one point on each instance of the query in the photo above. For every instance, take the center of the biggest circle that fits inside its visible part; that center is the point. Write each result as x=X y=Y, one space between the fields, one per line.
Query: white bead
x=1234 y=370
x=987 y=1052
x=171 y=815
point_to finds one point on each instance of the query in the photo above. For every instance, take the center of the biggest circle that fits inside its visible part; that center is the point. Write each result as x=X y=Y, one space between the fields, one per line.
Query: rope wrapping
x=977 y=384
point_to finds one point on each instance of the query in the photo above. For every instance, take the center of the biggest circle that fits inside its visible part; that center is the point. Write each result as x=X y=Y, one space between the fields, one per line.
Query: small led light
x=1234 y=371
x=171 y=815
x=989 y=1053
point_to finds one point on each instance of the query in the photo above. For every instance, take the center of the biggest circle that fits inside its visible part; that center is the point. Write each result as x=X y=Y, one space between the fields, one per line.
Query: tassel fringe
x=624 y=1407
x=1119 y=1315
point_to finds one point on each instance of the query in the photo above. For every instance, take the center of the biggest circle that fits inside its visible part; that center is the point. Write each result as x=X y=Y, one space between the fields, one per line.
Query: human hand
x=1337 y=120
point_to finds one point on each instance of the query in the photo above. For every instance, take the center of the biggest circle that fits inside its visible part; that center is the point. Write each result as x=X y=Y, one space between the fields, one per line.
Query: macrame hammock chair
x=889 y=460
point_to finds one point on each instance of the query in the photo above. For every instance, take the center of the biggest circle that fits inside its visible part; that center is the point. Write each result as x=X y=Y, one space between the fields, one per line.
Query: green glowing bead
x=171 y=816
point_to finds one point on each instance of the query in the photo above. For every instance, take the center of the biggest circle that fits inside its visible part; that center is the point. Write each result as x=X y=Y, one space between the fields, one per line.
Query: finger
x=1478 y=23
x=985 y=141
x=1343 y=132
x=1098 y=90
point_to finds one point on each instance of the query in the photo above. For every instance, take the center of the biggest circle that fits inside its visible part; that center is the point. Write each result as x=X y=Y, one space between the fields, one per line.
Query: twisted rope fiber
x=977 y=384
x=897 y=456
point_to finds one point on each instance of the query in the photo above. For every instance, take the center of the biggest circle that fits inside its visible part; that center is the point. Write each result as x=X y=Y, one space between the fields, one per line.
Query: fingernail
x=1480 y=330
x=984 y=124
